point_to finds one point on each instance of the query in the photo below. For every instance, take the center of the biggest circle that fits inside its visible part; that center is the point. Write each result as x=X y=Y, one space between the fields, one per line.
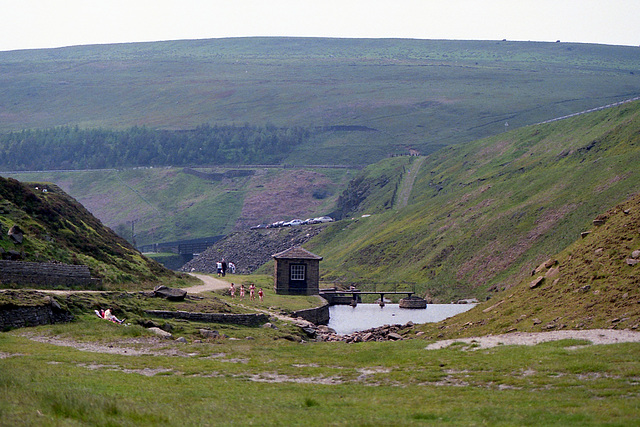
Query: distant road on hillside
x=407 y=182
x=604 y=107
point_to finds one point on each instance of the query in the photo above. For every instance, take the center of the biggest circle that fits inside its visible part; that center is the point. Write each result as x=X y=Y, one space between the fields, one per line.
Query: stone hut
x=297 y=272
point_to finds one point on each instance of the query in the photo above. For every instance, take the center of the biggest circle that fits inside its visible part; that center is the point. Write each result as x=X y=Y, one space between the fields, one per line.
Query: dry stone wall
x=12 y=316
x=236 y=319
x=45 y=274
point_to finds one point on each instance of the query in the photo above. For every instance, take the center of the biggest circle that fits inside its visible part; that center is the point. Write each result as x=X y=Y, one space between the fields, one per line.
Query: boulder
x=171 y=294
x=12 y=255
x=161 y=333
x=368 y=337
x=467 y=301
x=632 y=261
x=536 y=282
x=16 y=234
x=311 y=332
x=635 y=254
x=325 y=329
x=552 y=272
x=394 y=336
x=209 y=334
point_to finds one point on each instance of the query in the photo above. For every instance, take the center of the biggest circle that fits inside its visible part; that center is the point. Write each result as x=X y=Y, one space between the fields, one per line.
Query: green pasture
x=484 y=213
x=278 y=382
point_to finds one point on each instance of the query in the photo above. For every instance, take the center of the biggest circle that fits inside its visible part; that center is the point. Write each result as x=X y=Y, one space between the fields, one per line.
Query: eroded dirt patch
x=132 y=347
x=595 y=336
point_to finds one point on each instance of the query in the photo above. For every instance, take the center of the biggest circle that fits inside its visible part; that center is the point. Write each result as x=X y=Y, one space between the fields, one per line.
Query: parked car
x=322 y=219
x=293 y=222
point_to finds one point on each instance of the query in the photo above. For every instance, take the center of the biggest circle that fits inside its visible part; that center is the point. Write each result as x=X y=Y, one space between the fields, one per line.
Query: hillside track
x=408 y=181
x=210 y=283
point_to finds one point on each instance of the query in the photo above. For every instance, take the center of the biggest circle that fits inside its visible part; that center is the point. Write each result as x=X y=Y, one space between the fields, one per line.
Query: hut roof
x=296 y=252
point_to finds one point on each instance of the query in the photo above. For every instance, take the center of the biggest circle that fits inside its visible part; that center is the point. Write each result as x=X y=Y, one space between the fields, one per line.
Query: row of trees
x=75 y=148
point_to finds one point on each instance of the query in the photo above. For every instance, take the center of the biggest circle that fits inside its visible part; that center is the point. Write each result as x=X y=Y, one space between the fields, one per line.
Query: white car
x=293 y=223
x=323 y=219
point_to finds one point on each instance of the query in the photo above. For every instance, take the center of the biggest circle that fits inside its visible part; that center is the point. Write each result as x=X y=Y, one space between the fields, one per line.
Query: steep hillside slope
x=170 y=204
x=485 y=214
x=594 y=283
x=57 y=228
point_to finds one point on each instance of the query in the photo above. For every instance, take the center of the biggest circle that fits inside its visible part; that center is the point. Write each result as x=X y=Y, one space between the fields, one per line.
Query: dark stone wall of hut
x=282 y=277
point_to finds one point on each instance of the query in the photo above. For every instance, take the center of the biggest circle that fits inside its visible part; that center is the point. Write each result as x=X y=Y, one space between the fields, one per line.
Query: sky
x=30 y=24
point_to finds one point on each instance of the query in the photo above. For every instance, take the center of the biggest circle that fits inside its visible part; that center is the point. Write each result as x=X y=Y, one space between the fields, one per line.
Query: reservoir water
x=345 y=319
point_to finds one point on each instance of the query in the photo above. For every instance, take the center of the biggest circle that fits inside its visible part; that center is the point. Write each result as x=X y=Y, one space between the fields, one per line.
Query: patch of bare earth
x=4 y=355
x=130 y=347
x=595 y=336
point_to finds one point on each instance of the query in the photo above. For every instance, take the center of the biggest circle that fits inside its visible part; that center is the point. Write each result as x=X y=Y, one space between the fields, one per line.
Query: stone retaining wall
x=236 y=319
x=316 y=315
x=46 y=274
x=12 y=316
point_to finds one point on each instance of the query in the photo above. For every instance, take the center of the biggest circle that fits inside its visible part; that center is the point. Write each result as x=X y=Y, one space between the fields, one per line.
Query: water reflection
x=345 y=319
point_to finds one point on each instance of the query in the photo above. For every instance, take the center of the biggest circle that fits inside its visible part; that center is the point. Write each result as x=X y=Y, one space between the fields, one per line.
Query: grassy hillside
x=414 y=93
x=169 y=204
x=485 y=214
x=594 y=283
x=57 y=228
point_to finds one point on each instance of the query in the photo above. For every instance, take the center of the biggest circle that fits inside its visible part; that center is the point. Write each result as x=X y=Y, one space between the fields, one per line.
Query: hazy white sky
x=26 y=24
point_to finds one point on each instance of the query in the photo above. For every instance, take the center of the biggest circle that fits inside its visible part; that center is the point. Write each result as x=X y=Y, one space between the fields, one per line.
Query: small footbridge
x=353 y=297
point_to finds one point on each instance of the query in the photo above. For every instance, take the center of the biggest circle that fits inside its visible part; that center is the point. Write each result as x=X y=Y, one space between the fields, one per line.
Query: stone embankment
x=382 y=333
x=316 y=315
x=236 y=319
x=250 y=249
x=46 y=274
x=15 y=316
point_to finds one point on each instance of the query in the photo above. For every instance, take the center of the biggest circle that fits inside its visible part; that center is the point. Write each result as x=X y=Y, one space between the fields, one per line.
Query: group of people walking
x=252 y=292
x=222 y=267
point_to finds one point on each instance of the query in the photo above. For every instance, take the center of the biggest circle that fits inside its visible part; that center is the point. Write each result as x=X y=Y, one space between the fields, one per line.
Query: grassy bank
x=282 y=383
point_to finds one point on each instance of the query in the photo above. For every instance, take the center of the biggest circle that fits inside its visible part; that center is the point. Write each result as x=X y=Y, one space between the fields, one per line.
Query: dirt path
x=407 y=182
x=209 y=284
x=596 y=336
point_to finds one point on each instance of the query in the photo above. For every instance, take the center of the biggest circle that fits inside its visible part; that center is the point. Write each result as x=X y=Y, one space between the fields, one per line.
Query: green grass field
x=267 y=382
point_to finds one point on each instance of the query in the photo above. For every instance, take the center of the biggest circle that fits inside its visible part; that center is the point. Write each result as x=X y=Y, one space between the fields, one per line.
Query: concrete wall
x=236 y=319
x=45 y=274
